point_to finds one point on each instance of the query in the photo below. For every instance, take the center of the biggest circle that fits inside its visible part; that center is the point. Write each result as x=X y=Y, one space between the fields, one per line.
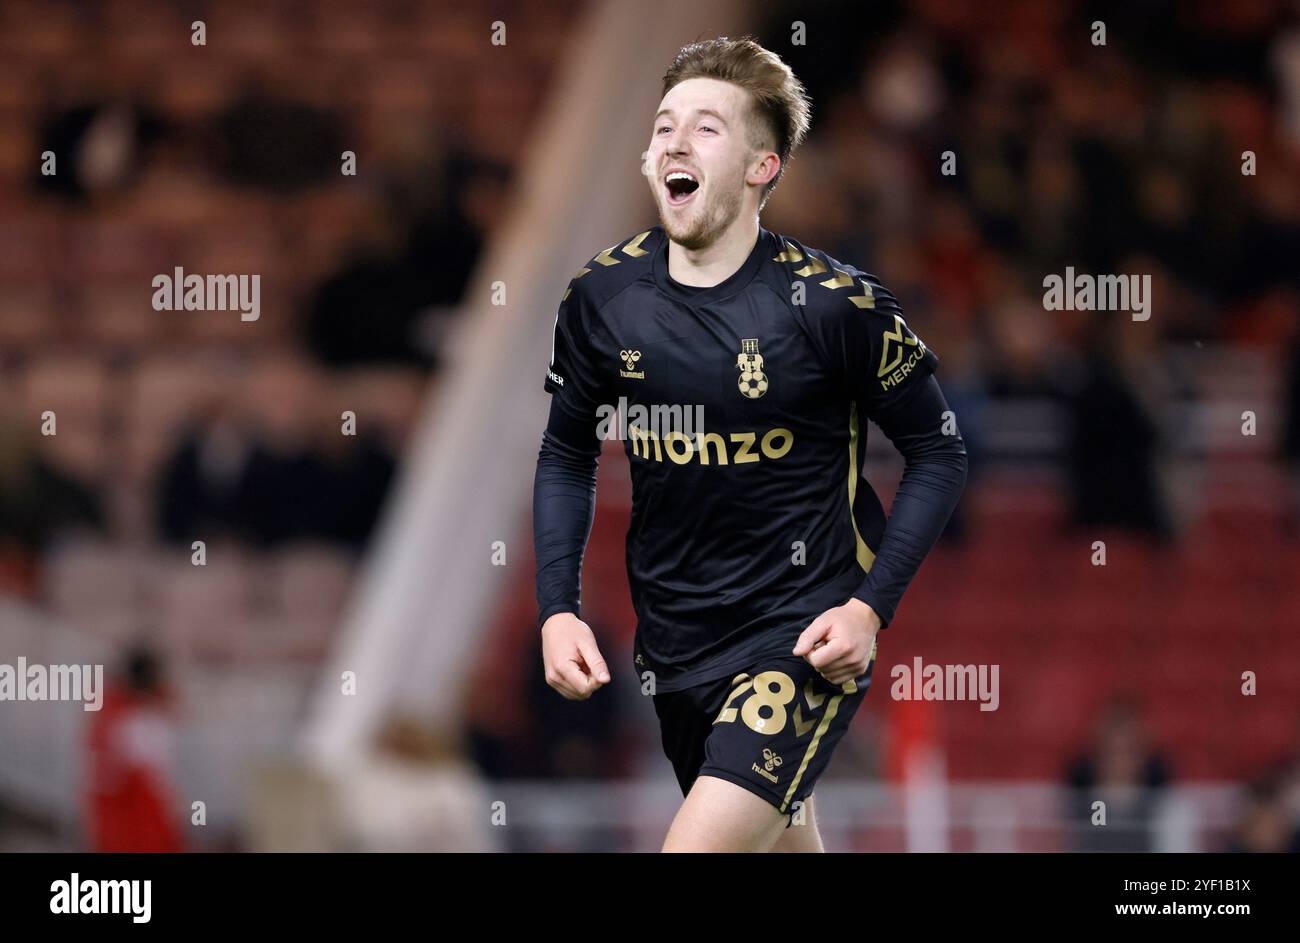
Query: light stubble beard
x=708 y=224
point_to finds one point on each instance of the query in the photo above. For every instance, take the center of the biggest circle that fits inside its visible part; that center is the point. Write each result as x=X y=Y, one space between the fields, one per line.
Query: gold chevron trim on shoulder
x=815 y=266
x=865 y=300
x=576 y=275
x=841 y=280
x=791 y=254
x=633 y=246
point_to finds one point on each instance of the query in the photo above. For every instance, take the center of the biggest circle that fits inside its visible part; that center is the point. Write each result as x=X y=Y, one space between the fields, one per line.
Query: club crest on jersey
x=630 y=357
x=753 y=381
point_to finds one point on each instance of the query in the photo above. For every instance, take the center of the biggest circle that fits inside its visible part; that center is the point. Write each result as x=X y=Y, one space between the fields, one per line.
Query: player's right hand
x=573 y=663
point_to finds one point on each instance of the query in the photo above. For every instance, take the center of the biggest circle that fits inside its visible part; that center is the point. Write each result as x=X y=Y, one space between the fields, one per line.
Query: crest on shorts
x=753 y=381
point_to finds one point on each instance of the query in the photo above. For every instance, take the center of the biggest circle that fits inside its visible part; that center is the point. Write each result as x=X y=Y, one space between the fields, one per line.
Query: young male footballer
x=761 y=563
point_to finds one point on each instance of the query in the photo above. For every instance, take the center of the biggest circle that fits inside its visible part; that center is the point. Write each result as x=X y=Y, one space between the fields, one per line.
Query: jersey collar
x=730 y=286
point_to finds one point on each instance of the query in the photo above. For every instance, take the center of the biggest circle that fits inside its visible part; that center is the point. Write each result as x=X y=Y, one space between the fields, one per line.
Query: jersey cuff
x=878 y=606
x=553 y=610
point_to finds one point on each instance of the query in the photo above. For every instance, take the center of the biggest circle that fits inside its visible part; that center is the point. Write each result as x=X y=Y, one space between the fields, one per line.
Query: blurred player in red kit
x=130 y=740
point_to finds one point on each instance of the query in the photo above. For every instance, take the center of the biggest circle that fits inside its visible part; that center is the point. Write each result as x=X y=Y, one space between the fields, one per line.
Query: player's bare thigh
x=720 y=816
x=802 y=836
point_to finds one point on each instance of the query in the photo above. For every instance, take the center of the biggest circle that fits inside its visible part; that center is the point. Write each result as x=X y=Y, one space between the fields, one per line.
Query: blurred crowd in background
x=181 y=426
x=355 y=158
x=1121 y=158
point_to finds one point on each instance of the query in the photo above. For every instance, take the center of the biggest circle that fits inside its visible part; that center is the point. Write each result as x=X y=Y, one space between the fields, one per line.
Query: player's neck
x=718 y=261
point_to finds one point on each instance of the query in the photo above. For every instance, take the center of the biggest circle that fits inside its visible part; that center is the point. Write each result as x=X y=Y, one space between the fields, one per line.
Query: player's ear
x=763 y=168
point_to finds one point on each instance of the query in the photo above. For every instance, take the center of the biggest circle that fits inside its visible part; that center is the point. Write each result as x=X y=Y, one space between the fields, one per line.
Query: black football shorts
x=770 y=729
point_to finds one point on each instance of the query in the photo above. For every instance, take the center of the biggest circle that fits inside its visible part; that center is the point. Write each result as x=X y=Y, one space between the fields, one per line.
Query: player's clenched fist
x=839 y=642
x=570 y=656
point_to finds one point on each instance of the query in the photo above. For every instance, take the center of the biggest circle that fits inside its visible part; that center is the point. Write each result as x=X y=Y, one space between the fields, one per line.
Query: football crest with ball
x=753 y=381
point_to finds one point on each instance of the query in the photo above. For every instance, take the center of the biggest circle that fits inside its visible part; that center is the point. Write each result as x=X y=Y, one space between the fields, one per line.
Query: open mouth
x=681 y=187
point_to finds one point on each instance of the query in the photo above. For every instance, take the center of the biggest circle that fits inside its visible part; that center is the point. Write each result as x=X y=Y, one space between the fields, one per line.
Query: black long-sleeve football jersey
x=749 y=525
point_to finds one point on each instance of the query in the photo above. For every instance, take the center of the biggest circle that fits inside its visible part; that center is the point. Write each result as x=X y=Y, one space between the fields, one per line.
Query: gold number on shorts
x=728 y=713
x=774 y=690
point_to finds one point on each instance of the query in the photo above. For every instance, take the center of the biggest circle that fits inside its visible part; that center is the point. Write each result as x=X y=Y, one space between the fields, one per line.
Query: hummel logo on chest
x=631 y=357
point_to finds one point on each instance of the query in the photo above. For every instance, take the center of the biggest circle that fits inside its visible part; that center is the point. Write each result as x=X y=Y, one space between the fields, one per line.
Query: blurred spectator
x=281 y=146
x=367 y=311
x=356 y=472
x=1266 y=822
x=1124 y=773
x=131 y=743
x=201 y=489
x=37 y=501
x=277 y=472
x=373 y=309
x=97 y=148
x=292 y=494
x=1115 y=444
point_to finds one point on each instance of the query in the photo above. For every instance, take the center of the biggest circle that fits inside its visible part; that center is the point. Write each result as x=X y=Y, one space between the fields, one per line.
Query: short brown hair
x=779 y=100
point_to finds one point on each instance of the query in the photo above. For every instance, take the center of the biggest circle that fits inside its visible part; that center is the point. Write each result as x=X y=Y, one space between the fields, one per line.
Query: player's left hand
x=839 y=642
